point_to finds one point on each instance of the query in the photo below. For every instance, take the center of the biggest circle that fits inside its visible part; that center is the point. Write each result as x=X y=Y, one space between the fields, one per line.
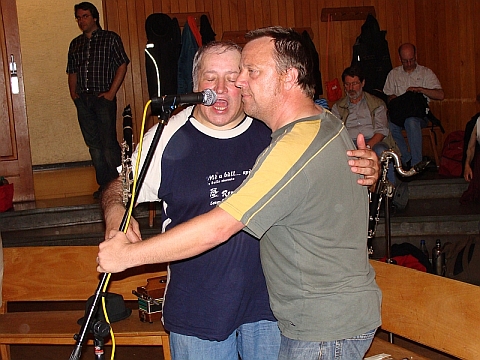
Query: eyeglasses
x=83 y=17
x=355 y=83
x=408 y=61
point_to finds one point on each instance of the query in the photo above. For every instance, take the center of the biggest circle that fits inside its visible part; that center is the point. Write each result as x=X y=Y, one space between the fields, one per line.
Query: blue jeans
x=346 y=349
x=254 y=341
x=98 y=122
x=413 y=127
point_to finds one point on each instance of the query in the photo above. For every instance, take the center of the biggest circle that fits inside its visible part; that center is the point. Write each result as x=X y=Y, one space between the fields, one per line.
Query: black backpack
x=410 y=104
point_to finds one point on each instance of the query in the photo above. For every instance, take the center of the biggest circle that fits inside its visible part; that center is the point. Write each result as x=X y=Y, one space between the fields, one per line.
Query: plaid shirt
x=95 y=60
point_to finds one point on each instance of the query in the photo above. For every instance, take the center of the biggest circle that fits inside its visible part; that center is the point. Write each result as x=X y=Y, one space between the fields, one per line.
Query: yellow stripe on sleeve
x=276 y=163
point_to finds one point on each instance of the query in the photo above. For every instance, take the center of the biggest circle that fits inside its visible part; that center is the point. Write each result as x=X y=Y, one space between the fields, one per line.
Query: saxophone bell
x=392 y=155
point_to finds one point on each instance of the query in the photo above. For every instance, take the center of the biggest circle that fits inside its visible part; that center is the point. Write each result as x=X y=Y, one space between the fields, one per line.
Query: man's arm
x=72 y=85
x=381 y=126
x=183 y=241
x=389 y=86
x=391 y=97
x=116 y=83
x=195 y=236
x=434 y=94
x=114 y=211
x=375 y=139
x=472 y=142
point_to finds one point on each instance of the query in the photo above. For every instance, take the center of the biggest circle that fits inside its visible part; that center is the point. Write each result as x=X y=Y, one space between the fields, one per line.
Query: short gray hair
x=214 y=47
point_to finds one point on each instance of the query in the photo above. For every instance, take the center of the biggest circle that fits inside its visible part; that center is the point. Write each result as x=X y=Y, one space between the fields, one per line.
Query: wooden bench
x=434 y=311
x=66 y=274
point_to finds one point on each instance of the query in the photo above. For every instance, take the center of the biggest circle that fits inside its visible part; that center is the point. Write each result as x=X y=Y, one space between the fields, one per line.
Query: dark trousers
x=97 y=119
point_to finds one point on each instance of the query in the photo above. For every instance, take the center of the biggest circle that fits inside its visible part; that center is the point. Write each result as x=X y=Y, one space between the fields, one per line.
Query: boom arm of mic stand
x=81 y=336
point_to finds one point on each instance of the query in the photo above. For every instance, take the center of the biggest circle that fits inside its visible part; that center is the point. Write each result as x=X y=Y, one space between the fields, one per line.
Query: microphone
x=206 y=97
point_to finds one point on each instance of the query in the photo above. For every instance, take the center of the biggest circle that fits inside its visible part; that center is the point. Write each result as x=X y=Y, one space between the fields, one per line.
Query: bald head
x=408 y=56
x=407 y=47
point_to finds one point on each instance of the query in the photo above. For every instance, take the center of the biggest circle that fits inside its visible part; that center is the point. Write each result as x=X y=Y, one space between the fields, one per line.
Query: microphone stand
x=165 y=113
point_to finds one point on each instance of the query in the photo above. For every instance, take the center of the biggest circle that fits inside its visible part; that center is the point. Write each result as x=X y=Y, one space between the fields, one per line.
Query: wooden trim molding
x=347 y=13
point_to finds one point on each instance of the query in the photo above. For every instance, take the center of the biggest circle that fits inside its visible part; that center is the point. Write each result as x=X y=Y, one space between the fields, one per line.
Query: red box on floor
x=6 y=197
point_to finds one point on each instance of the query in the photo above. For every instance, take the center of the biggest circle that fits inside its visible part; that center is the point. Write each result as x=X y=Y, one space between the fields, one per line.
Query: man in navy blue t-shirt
x=216 y=305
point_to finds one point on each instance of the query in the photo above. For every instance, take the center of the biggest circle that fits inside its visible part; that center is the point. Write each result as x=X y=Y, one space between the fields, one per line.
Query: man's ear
x=290 y=78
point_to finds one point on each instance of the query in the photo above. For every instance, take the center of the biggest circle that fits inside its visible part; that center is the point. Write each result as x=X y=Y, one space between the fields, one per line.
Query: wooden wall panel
x=445 y=32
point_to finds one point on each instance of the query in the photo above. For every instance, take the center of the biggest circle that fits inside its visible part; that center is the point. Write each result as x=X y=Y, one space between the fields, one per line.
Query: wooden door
x=15 y=156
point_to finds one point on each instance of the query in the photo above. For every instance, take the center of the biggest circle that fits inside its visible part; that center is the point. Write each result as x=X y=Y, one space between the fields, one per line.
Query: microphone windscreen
x=209 y=97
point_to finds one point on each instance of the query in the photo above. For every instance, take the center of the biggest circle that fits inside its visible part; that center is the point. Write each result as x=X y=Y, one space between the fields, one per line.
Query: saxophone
x=385 y=188
x=126 y=152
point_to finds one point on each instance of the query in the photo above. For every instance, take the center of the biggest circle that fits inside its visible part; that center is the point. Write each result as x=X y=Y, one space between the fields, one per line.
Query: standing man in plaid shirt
x=96 y=67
